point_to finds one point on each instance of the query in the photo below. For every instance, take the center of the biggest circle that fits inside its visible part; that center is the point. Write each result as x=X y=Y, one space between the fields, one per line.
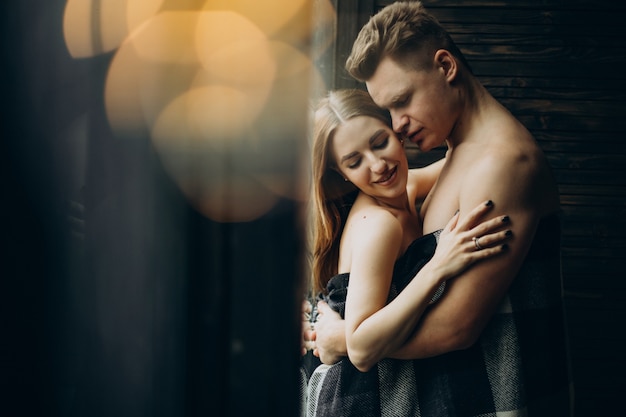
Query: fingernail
x=505 y=219
x=504 y=247
x=508 y=233
x=489 y=203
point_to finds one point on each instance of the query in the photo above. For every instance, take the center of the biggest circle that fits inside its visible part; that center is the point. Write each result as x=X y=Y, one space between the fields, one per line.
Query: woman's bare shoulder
x=368 y=219
x=368 y=229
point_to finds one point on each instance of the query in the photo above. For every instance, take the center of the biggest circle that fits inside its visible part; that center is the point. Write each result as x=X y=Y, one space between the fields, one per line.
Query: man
x=495 y=342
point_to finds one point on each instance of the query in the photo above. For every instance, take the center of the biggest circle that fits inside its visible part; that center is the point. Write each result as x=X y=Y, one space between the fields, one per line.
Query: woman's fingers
x=487 y=252
x=476 y=229
x=488 y=240
x=474 y=216
x=491 y=226
x=452 y=222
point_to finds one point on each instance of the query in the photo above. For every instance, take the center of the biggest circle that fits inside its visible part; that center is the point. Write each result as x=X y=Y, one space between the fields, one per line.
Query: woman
x=367 y=229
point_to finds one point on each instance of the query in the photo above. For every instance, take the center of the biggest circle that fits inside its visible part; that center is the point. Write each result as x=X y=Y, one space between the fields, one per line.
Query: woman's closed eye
x=381 y=143
x=354 y=163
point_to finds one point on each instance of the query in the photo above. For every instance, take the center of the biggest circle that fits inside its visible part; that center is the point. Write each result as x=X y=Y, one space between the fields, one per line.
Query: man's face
x=419 y=101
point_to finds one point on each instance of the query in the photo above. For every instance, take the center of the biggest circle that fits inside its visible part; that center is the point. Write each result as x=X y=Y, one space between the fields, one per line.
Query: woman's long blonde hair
x=333 y=196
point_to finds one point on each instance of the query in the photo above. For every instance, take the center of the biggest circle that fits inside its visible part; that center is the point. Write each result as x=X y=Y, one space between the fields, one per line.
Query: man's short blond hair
x=403 y=31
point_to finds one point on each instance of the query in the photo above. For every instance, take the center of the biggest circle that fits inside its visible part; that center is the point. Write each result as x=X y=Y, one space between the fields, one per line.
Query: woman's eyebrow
x=372 y=139
x=376 y=135
x=348 y=156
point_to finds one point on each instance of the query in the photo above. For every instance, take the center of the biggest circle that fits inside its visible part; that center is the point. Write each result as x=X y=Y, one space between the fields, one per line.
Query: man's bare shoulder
x=508 y=161
x=516 y=173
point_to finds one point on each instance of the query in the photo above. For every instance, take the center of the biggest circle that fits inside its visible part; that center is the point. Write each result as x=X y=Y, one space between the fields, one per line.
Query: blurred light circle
x=242 y=114
x=203 y=139
x=93 y=27
x=240 y=199
x=139 y=11
x=167 y=37
x=122 y=94
x=156 y=64
x=216 y=114
x=233 y=49
x=268 y=15
x=283 y=124
x=243 y=63
x=137 y=91
x=285 y=113
x=222 y=89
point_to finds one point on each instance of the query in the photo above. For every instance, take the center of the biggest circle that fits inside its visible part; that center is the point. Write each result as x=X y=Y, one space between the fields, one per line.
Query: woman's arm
x=423 y=179
x=374 y=329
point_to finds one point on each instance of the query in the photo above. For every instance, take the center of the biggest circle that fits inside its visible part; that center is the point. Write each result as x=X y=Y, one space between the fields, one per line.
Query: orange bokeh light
x=93 y=27
x=221 y=87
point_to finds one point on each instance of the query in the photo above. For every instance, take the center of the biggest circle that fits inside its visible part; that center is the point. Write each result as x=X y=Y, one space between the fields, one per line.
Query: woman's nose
x=379 y=165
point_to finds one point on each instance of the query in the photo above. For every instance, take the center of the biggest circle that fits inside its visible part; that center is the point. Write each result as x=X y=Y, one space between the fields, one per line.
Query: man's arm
x=459 y=317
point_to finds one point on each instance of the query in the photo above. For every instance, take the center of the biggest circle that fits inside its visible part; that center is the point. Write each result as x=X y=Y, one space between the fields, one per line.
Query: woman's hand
x=465 y=242
x=329 y=335
x=308 y=341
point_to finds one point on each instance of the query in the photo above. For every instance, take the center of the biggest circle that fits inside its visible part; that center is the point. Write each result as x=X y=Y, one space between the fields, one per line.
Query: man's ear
x=447 y=62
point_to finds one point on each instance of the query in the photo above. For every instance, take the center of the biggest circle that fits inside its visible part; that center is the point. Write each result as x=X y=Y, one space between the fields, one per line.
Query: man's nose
x=399 y=122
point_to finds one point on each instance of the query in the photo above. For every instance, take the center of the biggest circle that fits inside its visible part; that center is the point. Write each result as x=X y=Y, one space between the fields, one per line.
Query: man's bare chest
x=441 y=203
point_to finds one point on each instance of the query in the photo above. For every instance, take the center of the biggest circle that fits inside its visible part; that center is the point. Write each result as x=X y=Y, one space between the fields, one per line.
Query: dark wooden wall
x=559 y=66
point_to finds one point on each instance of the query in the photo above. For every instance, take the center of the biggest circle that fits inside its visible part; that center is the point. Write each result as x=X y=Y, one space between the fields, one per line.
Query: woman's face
x=370 y=155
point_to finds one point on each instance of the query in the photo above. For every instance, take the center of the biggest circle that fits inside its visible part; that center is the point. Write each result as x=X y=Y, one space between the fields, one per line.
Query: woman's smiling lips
x=391 y=175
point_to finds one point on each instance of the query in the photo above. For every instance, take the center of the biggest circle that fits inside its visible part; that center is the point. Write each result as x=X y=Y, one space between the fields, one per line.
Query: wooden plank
x=588 y=177
x=601 y=86
x=592 y=282
x=595 y=190
x=589 y=161
x=587 y=234
x=564 y=145
x=578 y=70
x=584 y=214
x=614 y=96
x=582 y=108
x=531 y=4
x=578 y=261
x=541 y=54
x=512 y=14
x=351 y=16
x=466 y=40
x=566 y=122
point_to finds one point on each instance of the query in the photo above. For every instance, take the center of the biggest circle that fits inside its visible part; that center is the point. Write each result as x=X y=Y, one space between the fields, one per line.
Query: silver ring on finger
x=475 y=239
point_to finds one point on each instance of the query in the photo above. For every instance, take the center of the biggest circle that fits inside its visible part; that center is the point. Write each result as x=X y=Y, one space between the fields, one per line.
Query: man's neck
x=476 y=103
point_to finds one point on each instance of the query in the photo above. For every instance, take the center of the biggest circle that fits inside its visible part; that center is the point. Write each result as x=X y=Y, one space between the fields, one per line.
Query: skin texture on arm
x=375 y=238
x=514 y=182
x=330 y=329
x=423 y=179
x=374 y=328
